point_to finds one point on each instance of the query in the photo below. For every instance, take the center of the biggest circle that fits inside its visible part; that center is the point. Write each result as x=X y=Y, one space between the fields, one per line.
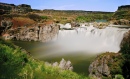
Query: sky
x=88 y=5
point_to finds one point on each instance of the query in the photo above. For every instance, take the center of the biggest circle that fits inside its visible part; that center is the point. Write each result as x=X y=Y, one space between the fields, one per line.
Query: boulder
x=65 y=65
x=62 y=64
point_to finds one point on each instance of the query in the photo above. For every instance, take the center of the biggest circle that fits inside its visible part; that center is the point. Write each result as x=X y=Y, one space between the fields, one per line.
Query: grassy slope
x=122 y=14
x=48 y=17
x=77 y=16
x=16 y=64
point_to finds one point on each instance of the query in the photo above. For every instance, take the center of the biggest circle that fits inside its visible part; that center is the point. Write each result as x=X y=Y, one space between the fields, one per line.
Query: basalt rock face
x=5 y=25
x=106 y=65
x=48 y=33
x=124 y=7
x=7 y=8
x=126 y=39
x=43 y=33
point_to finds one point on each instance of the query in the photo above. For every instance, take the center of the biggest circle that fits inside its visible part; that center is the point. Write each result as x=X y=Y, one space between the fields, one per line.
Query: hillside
x=76 y=15
x=122 y=15
x=123 y=12
x=62 y=16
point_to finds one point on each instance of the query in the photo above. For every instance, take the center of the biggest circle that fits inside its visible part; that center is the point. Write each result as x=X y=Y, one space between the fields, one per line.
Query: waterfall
x=90 y=39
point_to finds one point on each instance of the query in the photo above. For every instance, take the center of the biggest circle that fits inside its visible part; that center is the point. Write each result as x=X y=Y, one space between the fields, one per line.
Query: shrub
x=22 y=21
x=11 y=61
x=119 y=76
x=34 y=17
x=44 y=17
x=125 y=50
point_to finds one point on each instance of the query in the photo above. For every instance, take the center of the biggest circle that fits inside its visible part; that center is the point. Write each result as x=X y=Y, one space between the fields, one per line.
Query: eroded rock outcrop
x=63 y=64
x=106 y=65
x=121 y=22
x=42 y=33
x=100 y=25
x=126 y=39
x=5 y=25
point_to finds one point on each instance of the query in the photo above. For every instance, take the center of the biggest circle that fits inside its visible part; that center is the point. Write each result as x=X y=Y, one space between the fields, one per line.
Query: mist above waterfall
x=89 y=39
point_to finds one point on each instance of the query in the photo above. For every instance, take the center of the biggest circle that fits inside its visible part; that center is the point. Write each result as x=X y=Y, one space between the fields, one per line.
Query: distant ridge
x=24 y=8
x=124 y=7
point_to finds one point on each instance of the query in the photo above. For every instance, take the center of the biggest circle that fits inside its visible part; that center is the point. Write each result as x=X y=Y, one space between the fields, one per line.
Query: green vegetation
x=123 y=12
x=93 y=17
x=114 y=61
x=35 y=17
x=122 y=15
x=44 y=17
x=125 y=50
x=116 y=67
x=119 y=76
x=15 y=63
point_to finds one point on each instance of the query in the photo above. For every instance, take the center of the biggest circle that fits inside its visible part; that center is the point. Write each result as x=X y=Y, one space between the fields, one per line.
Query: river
x=80 y=46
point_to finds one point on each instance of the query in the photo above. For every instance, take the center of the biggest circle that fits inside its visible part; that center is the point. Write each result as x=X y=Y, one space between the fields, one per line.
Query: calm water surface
x=38 y=50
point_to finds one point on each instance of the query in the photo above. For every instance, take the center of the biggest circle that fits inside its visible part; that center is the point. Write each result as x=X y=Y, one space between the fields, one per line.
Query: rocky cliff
x=125 y=50
x=5 y=25
x=106 y=65
x=124 y=7
x=42 y=33
x=11 y=8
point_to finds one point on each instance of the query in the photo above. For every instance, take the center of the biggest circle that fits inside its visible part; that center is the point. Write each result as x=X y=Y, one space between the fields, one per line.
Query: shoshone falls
x=80 y=45
x=89 y=39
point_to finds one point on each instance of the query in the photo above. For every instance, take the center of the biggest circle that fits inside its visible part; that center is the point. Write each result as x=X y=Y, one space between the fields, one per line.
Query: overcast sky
x=88 y=5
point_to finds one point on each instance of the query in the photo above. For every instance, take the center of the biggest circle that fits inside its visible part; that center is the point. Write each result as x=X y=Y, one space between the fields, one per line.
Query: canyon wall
x=9 y=8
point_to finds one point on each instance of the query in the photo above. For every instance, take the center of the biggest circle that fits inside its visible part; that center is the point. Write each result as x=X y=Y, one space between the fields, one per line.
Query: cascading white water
x=90 y=39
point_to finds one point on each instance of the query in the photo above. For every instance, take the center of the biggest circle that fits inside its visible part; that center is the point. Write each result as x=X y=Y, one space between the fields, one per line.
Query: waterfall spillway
x=90 y=39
